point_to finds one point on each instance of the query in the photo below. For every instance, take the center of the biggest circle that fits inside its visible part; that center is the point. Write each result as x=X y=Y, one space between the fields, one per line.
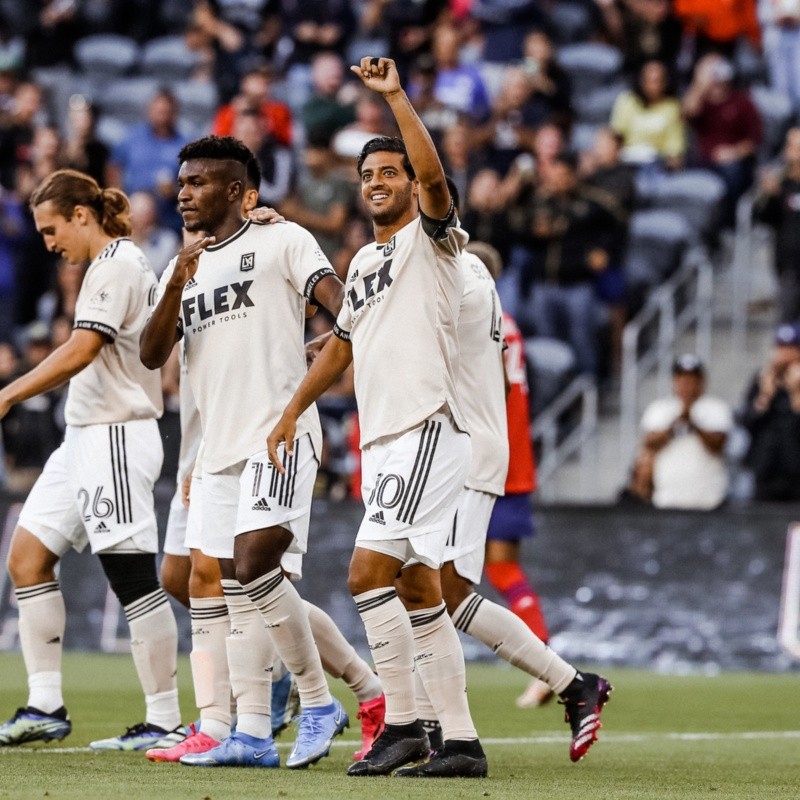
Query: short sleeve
x=712 y=415
x=446 y=234
x=105 y=299
x=344 y=323
x=660 y=415
x=306 y=265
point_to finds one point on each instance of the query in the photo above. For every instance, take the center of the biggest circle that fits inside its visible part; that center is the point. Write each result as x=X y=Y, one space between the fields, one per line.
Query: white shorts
x=411 y=484
x=253 y=495
x=97 y=488
x=175 y=538
x=466 y=543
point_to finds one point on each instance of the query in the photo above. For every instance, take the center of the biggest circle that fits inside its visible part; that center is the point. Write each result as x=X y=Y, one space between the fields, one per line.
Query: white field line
x=706 y=736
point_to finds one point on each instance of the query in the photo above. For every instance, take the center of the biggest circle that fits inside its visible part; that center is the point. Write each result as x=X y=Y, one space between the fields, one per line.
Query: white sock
x=425 y=708
x=392 y=644
x=209 y=660
x=339 y=657
x=42 y=620
x=440 y=661
x=508 y=636
x=154 y=646
x=250 y=656
x=286 y=617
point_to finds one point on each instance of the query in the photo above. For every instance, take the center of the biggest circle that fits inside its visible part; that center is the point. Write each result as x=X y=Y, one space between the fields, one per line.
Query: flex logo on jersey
x=219 y=301
x=370 y=286
x=248 y=262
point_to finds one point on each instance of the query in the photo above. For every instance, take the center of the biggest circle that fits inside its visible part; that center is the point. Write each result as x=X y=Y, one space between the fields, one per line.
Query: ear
x=81 y=214
x=236 y=190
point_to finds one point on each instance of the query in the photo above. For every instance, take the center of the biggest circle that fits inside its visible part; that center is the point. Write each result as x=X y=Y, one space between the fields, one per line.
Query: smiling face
x=67 y=237
x=386 y=188
x=207 y=193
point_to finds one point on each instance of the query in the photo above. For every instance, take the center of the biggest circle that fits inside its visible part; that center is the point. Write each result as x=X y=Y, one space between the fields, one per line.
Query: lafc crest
x=248 y=262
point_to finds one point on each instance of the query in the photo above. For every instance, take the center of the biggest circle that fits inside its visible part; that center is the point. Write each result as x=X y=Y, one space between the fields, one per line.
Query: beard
x=395 y=210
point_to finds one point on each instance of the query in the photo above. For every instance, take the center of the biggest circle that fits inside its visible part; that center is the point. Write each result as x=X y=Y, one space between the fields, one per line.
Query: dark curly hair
x=217 y=148
x=387 y=144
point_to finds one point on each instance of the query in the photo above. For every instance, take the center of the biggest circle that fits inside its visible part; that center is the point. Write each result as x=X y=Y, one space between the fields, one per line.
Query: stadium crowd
x=558 y=120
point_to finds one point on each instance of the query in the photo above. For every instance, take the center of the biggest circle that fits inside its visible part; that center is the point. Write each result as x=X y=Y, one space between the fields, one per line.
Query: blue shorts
x=609 y=285
x=512 y=518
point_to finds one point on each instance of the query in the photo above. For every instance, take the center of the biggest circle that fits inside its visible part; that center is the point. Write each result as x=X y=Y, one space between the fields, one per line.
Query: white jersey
x=115 y=300
x=242 y=318
x=481 y=387
x=191 y=431
x=400 y=313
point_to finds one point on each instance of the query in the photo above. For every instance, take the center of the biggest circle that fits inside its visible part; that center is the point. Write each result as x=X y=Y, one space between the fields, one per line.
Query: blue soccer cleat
x=285 y=703
x=316 y=729
x=29 y=724
x=238 y=750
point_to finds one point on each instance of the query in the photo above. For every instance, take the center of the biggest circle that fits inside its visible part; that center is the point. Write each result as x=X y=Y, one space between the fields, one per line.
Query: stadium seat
x=776 y=114
x=595 y=108
x=127 y=99
x=551 y=365
x=582 y=136
x=571 y=22
x=111 y=130
x=198 y=101
x=590 y=65
x=695 y=194
x=168 y=59
x=106 y=56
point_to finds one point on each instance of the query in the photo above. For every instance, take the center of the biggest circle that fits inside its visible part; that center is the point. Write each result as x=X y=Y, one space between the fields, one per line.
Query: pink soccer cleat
x=195 y=742
x=371 y=714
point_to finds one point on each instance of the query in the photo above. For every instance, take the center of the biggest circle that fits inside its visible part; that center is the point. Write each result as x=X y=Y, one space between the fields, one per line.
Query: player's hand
x=314 y=347
x=284 y=431
x=188 y=258
x=264 y=215
x=378 y=74
x=186 y=489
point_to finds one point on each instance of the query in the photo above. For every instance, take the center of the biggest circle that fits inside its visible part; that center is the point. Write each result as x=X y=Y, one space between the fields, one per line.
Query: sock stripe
x=208 y=613
x=263 y=587
x=231 y=588
x=464 y=619
x=40 y=589
x=145 y=605
x=375 y=602
x=418 y=619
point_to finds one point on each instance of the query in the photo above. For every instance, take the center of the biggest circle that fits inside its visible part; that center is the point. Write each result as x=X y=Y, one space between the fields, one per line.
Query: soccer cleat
x=315 y=733
x=195 y=742
x=371 y=714
x=285 y=703
x=29 y=724
x=396 y=746
x=457 y=759
x=537 y=694
x=140 y=737
x=583 y=703
x=238 y=750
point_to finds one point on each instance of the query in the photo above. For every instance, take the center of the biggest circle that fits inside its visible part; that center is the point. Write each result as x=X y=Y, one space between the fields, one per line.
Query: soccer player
x=481 y=387
x=97 y=487
x=237 y=297
x=398 y=327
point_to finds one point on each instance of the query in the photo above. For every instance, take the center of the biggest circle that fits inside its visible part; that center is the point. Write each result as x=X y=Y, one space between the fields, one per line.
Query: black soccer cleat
x=396 y=746
x=583 y=702
x=457 y=759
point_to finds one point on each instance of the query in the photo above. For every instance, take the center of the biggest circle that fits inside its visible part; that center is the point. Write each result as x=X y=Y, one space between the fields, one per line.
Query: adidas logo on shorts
x=378 y=518
x=101 y=528
x=261 y=505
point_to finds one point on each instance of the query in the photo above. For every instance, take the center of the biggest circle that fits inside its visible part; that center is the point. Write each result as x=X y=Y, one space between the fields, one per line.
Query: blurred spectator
x=17 y=131
x=512 y=127
x=410 y=25
x=548 y=142
x=322 y=199
x=436 y=116
x=43 y=157
x=254 y=95
x=727 y=126
x=649 y=119
x=681 y=463
x=719 y=25
x=145 y=160
x=324 y=113
x=550 y=84
x=644 y=30
x=275 y=162
x=504 y=24
x=54 y=31
x=458 y=86
x=159 y=244
x=572 y=237
x=771 y=415
x=357 y=234
x=82 y=149
x=458 y=157
x=486 y=219
x=12 y=46
x=782 y=48
x=59 y=301
x=370 y=122
x=11 y=229
x=777 y=204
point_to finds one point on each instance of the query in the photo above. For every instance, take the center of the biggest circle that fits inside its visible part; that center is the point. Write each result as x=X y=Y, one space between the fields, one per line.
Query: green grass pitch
x=732 y=736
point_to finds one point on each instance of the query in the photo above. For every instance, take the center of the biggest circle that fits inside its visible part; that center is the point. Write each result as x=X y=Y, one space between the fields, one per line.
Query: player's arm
x=380 y=75
x=161 y=331
x=62 y=364
x=328 y=366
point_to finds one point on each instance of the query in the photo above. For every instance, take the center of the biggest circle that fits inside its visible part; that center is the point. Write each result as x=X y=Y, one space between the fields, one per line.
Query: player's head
x=69 y=207
x=212 y=179
x=489 y=255
x=252 y=183
x=388 y=182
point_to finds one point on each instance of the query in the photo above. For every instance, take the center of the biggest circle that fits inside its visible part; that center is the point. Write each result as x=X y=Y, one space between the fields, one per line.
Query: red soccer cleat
x=371 y=714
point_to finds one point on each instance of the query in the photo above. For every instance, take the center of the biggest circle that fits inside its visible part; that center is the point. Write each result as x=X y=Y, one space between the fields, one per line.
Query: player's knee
x=130 y=575
x=25 y=570
x=175 y=577
x=206 y=576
